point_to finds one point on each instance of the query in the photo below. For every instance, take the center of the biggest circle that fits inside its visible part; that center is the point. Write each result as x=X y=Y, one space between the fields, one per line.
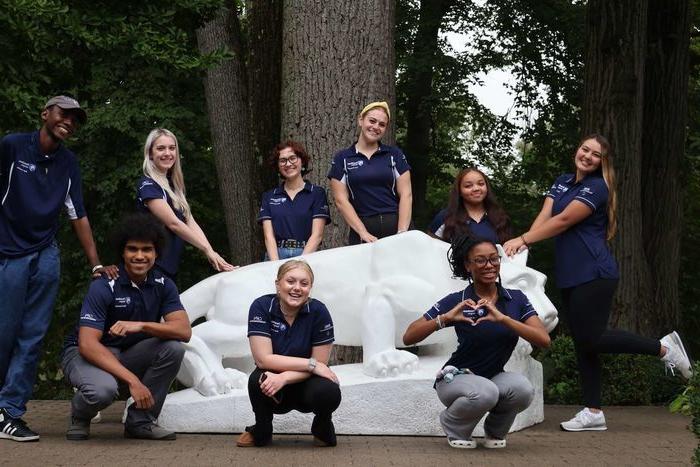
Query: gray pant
x=469 y=397
x=154 y=361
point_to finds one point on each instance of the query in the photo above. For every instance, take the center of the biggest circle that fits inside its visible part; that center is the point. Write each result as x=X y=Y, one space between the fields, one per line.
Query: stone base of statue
x=400 y=405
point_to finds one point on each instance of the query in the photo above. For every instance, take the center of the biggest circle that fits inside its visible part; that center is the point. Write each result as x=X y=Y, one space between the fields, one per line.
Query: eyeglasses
x=481 y=261
x=288 y=160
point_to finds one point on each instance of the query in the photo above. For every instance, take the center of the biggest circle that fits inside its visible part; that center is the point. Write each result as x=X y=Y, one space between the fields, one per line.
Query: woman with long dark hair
x=488 y=320
x=580 y=210
x=472 y=209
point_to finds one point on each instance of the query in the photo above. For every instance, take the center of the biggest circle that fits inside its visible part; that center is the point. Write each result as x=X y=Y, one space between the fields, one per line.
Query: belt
x=290 y=244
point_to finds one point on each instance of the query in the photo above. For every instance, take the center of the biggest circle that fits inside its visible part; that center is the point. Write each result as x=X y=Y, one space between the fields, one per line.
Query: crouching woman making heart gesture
x=291 y=336
x=488 y=320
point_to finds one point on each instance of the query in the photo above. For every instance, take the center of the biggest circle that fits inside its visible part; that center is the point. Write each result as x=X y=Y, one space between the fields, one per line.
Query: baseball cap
x=68 y=103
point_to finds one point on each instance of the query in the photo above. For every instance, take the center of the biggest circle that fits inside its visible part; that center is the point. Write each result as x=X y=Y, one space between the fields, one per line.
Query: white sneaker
x=585 y=420
x=494 y=443
x=676 y=357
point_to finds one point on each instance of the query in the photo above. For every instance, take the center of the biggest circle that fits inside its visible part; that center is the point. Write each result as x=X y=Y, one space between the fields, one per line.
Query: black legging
x=588 y=310
x=316 y=394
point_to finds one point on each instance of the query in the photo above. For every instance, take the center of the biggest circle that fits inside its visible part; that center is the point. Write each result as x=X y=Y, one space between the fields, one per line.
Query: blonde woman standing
x=371 y=181
x=161 y=191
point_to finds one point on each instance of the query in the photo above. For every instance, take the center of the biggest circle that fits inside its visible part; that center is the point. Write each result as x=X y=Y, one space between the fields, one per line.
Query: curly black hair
x=142 y=227
x=459 y=251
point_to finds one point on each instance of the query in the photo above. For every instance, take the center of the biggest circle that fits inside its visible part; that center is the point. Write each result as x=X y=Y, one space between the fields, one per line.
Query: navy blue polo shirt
x=371 y=181
x=33 y=189
x=482 y=229
x=312 y=326
x=292 y=218
x=486 y=347
x=582 y=252
x=108 y=301
x=169 y=260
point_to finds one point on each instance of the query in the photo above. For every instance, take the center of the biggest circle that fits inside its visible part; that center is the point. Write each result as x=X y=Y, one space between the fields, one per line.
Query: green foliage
x=688 y=403
x=134 y=66
x=627 y=379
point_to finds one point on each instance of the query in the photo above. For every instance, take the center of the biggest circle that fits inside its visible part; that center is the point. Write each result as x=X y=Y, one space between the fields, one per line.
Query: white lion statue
x=373 y=291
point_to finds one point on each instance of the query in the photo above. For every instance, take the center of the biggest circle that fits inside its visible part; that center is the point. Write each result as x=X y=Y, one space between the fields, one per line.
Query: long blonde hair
x=176 y=192
x=608 y=172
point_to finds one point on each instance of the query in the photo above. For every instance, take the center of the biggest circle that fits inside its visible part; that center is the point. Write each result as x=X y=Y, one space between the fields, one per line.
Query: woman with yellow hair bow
x=371 y=181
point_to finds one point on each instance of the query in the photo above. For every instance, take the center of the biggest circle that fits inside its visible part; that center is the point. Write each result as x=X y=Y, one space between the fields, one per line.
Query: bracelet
x=522 y=237
x=440 y=324
x=96 y=267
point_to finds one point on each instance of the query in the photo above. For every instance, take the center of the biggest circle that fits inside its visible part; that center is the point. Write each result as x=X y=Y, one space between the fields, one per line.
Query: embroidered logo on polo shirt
x=562 y=188
x=121 y=302
x=160 y=280
x=277 y=201
x=257 y=319
x=437 y=306
x=277 y=326
x=88 y=317
x=354 y=165
x=586 y=191
x=26 y=167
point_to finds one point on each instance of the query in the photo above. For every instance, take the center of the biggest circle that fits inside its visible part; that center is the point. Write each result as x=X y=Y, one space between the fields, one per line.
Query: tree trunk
x=419 y=106
x=227 y=104
x=265 y=70
x=613 y=103
x=337 y=57
x=663 y=149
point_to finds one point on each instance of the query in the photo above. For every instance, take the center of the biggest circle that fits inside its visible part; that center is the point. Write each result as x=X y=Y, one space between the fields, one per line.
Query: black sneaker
x=153 y=432
x=78 y=430
x=15 y=429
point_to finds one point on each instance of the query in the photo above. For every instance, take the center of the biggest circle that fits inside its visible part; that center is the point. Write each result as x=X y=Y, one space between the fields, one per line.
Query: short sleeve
x=74 y=198
x=170 y=300
x=443 y=306
x=593 y=192
x=525 y=308
x=322 y=332
x=438 y=222
x=401 y=163
x=319 y=208
x=264 y=213
x=149 y=189
x=93 y=313
x=259 y=318
x=336 y=170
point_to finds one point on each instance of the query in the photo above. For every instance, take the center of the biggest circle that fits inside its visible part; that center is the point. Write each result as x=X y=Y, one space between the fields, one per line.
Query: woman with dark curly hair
x=488 y=320
x=472 y=209
x=294 y=214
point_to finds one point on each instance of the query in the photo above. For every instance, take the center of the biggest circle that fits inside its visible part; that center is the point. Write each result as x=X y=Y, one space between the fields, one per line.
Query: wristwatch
x=312 y=364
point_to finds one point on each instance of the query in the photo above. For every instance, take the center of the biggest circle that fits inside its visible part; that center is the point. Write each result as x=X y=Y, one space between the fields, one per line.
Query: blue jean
x=286 y=253
x=29 y=285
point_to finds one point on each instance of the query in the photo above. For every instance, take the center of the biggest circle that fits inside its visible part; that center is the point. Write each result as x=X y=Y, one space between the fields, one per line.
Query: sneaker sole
x=593 y=428
x=677 y=341
x=77 y=437
x=19 y=439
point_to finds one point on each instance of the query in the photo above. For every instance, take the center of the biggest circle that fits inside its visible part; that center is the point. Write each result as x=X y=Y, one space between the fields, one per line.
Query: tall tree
x=663 y=150
x=636 y=85
x=337 y=57
x=226 y=88
x=419 y=106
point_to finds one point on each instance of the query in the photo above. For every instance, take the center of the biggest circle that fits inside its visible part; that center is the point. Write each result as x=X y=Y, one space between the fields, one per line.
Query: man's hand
x=142 y=395
x=123 y=328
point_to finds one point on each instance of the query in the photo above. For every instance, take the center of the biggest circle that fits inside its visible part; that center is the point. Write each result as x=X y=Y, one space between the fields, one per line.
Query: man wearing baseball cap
x=38 y=176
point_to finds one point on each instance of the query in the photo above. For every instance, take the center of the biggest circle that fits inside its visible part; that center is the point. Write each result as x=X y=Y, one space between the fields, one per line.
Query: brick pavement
x=636 y=436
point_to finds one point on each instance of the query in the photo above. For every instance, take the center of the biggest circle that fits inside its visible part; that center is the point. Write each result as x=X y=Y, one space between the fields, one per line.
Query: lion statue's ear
x=519 y=259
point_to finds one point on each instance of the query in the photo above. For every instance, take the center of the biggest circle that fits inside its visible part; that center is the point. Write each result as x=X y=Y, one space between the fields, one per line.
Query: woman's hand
x=325 y=372
x=272 y=383
x=514 y=246
x=456 y=314
x=218 y=262
x=368 y=237
x=494 y=314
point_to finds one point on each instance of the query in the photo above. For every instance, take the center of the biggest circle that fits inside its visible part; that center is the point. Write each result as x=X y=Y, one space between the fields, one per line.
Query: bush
x=627 y=379
x=688 y=403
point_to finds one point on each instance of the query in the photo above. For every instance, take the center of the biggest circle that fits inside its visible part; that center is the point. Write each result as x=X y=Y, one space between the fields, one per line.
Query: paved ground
x=636 y=436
